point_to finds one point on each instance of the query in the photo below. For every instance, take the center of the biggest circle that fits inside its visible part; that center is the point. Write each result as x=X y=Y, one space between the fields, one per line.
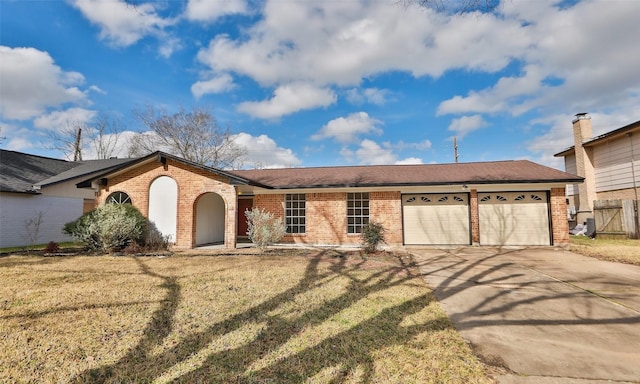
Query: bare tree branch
x=101 y=134
x=64 y=140
x=193 y=135
x=104 y=133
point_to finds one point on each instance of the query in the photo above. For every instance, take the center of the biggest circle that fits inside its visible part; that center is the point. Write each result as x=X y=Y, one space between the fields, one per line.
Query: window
x=357 y=212
x=118 y=198
x=294 y=213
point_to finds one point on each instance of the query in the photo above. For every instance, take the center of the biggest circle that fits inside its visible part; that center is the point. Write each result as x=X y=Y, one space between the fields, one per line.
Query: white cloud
x=97 y=89
x=122 y=24
x=264 y=152
x=371 y=153
x=120 y=143
x=368 y=95
x=465 y=124
x=562 y=54
x=61 y=119
x=216 y=84
x=348 y=129
x=409 y=160
x=347 y=154
x=497 y=97
x=560 y=134
x=19 y=144
x=573 y=47
x=288 y=99
x=168 y=45
x=342 y=43
x=31 y=83
x=401 y=145
x=207 y=11
x=14 y=137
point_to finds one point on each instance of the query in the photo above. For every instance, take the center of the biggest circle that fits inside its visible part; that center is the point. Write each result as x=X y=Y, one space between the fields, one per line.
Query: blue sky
x=305 y=83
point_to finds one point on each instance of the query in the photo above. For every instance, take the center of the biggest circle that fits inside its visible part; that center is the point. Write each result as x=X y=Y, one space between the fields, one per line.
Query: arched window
x=118 y=198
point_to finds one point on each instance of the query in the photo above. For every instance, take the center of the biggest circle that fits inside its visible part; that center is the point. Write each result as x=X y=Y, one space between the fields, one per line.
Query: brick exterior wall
x=386 y=208
x=475 y=217
x=326 y=217
x=559 y=223
x=326 y=212
x=192 y=183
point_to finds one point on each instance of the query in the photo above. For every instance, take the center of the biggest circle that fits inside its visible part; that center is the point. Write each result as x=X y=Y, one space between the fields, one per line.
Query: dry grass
x=311 y=317
x=623 y=251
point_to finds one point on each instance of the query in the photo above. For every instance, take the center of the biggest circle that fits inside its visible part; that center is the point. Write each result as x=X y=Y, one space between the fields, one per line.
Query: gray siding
x=570 y=166
x=16 y=208
x=612 y=161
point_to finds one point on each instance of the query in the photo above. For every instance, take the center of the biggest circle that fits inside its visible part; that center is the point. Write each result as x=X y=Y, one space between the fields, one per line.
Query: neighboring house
x=486 y=203
x=609 y=163
x=43 y=189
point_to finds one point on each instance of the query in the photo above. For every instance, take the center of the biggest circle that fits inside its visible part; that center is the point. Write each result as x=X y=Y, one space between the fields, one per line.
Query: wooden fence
x=616 y=218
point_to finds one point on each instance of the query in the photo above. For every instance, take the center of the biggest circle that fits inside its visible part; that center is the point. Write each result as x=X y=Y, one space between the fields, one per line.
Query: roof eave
x=565 y=152
x=612 y=134
x=461 y=182
x=25 y=192
x=157 y=156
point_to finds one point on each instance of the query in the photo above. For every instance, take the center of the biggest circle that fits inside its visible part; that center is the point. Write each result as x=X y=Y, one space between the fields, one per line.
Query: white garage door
x=514 y=218
x=432 y=219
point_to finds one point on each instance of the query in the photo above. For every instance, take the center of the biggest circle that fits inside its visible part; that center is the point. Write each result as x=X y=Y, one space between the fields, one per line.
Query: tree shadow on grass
x=156 y=331
x=348 y=352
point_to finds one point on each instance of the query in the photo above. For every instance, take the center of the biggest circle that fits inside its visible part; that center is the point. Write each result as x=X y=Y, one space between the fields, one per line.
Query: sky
x=325 y=83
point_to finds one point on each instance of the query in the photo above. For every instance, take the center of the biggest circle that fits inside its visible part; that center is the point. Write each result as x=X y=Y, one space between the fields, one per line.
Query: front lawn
x=620 y=250
x=300 y=317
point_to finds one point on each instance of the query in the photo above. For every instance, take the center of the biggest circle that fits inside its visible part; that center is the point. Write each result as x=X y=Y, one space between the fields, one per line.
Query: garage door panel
x=436 y=219
x=514 y=218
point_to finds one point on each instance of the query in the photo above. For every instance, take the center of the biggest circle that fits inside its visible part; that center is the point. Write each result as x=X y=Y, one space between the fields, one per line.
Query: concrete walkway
x=543 y=315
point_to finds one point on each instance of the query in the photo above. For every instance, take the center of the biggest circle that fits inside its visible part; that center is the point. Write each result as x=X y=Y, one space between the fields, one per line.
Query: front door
x=243 y=205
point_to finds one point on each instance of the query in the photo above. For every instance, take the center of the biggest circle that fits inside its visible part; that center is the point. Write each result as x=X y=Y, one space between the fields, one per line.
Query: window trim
x=112 y=200
x=295 y=213
x=358 y=212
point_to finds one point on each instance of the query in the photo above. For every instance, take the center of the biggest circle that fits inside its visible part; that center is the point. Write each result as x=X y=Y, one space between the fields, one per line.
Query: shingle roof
x=493 y=172
x=157 y=156
x=85 y=168
x=19 y=172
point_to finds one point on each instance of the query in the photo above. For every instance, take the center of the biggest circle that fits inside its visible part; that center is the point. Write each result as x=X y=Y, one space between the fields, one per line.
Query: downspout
x=635 y=186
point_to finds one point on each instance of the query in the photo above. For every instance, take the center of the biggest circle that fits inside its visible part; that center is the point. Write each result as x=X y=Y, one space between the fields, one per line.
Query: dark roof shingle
x=85 y=168
x=492 y=172
x=20 y=172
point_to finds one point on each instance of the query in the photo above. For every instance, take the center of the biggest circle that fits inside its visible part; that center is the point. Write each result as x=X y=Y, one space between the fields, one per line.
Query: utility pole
x=455 y=148
x=77 y=151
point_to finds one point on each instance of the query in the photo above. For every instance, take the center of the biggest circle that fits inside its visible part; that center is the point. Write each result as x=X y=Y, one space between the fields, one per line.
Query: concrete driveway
x=542 y=315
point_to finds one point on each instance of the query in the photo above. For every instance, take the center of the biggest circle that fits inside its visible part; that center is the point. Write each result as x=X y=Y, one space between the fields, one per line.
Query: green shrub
x=372 y=236
x=109 y=228
x=264 y=228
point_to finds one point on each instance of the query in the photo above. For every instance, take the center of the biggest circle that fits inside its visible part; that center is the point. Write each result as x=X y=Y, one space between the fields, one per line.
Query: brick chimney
x=582 y=132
